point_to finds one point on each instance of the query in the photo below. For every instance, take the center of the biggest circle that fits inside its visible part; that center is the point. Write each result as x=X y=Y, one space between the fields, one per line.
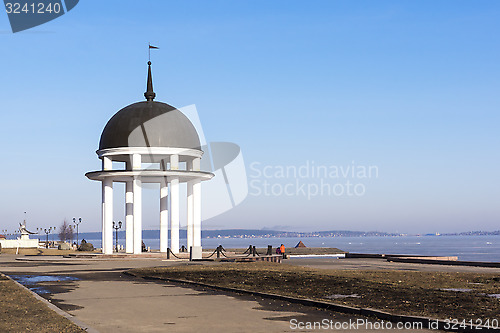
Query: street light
x=77 y=224
x=116 y=226
x=47 y=232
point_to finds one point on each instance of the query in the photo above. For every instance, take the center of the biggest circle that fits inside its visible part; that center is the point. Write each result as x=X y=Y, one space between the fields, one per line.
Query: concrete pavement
x=109 y=301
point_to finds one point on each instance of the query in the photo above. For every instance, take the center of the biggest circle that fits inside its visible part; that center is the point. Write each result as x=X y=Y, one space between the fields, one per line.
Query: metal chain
x=215 y=251
x=173 y=253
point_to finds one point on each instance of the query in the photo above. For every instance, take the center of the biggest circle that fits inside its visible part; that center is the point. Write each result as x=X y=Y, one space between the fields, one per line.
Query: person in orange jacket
x=282 y=250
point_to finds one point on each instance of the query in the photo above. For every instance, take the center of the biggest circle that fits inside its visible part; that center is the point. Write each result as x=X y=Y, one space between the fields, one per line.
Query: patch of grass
x=21 y=312
x=399 y=292
x=31 y=252
x=42 y=252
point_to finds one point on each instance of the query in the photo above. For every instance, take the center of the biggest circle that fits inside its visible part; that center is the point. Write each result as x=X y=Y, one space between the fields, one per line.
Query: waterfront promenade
x=109 y=301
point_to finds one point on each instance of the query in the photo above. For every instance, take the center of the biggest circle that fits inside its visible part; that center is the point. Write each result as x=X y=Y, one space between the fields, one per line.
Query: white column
x=129 y=217
x=197 y=249
x=107 y=216
x=164 y=216
x=174 y=206
x=197 y=213
x=189 y=214
x=189 y=167
x=137 y=204
x=107 y=208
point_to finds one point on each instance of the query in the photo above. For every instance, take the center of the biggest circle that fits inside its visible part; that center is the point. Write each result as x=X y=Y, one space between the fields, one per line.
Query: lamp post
x=47 y=232
x=77 y=224
x=116 y=226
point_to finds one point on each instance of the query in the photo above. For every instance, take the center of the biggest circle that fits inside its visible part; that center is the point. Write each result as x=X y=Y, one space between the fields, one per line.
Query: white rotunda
x=158 y=133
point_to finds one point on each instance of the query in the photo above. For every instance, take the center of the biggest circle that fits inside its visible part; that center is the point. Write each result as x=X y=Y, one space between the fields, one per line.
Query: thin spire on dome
x=149 y=94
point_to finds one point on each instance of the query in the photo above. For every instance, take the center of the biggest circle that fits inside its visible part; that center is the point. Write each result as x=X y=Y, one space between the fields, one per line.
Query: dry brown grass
x=400 y=292
x=43 y=252
x=21 y=312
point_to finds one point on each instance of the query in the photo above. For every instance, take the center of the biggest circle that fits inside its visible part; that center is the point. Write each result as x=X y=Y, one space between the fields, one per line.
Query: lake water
x=469 y=248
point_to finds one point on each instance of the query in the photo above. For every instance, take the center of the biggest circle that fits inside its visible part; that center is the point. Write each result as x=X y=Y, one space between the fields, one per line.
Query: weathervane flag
x=149 y=50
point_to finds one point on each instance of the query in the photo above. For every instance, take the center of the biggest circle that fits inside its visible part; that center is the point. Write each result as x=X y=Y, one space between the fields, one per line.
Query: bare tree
x=65 y=232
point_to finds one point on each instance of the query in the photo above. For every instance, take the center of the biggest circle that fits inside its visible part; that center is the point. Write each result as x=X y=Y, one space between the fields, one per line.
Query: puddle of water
x=40 y=290
x=494 y=295
x=31 y=281
x=34 y=279
x=336 y=296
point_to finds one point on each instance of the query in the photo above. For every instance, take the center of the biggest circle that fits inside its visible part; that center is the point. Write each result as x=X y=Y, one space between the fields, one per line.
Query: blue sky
x=408 y=86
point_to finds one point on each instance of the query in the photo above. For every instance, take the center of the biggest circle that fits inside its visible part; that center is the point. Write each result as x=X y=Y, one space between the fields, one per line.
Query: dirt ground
x=443 y=295
x=40 y=252
x=21 y=312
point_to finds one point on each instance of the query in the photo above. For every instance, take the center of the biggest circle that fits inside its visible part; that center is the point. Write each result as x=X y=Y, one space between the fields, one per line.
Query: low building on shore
x=22 y=242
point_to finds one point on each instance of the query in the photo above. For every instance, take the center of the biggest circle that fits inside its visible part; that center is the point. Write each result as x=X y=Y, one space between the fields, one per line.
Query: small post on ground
x=168 y=253
x=254 y=251
x=269 y=250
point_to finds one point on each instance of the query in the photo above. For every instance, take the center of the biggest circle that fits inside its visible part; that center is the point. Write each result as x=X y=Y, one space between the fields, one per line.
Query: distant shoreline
x=251 y=233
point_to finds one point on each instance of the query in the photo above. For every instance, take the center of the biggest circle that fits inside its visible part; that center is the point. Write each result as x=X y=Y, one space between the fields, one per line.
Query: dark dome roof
x=149 y=124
